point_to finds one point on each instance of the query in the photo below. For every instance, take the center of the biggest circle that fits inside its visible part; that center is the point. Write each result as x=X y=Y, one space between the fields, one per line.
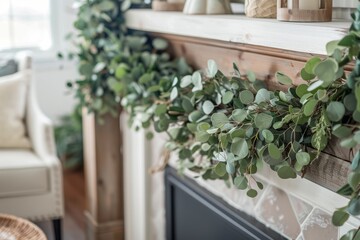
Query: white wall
x=50 y=74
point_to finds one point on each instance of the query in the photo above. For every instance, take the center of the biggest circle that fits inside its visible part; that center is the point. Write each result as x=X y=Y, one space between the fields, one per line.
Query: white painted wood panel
x=300 y=37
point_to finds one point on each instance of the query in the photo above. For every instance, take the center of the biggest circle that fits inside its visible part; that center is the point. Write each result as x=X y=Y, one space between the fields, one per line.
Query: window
x=25 y=24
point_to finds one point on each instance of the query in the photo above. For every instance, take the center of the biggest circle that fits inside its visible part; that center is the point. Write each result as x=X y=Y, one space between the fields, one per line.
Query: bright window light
x=25 y=24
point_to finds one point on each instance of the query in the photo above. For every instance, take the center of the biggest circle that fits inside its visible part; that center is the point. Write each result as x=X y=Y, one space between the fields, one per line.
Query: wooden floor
x=74 y=220
x=74 y=191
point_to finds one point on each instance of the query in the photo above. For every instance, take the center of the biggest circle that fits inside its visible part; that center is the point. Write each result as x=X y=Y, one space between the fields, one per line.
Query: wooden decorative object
x=12 y=227
x=104 y=177
x=260 y=8
x=290 y=10
x=170 y=5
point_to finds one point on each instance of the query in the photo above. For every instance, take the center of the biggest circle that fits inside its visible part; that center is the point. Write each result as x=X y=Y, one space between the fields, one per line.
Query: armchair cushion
x=22 y=173
x=13 y=95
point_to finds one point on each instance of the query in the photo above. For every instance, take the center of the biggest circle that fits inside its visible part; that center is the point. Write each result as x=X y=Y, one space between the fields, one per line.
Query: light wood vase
x=207 y=7
x=260 y=8
x=294 y=14
x=169 y=5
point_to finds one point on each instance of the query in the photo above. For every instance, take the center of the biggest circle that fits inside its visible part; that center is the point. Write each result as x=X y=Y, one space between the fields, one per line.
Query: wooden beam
x=104 y=178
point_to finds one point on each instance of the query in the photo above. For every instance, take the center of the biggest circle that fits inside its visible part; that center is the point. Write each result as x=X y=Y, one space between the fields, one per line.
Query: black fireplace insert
x=193 y=213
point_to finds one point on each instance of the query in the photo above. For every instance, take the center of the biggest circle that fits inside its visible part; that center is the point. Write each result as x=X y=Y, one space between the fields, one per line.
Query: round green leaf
x=212 y=68
x=230 y=168
x=239 y=115
x=303 y=158
x=185 y=81
x=228 y=97
x=187 y=105
x=160 y=109
x=202 y=136
x=251 y=76
x=311 y=64
x=263 y=121
x=268 y=136
x=326 y=71
x=350 y=102
x=335 y=111
x=286 y=172
x=252 y=193
x=174 y=93
x=241 y=182
x=341 y=131
x=240 y=148
x=339 y=218
x=246 y=97
x=274 y=151
x=208 y=107
x=310 y=107
x=283 y=79
x=354 y=180
x=160 y=44
x=220 y=169
x=219 y=119
x=354 y=206
x=262 y=95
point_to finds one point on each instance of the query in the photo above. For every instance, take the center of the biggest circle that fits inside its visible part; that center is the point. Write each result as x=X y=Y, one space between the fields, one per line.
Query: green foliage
x=69 y=139
x=234 y=124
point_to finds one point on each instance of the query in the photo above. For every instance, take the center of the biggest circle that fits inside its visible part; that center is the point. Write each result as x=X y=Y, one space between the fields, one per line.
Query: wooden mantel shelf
x=298 y=37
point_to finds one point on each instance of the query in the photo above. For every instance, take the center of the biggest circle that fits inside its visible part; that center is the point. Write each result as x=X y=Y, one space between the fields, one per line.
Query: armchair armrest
x=40 y=129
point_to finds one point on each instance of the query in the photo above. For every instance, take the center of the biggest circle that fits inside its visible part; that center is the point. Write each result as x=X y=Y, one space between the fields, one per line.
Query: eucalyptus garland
x=228 y=127
x=224 y=126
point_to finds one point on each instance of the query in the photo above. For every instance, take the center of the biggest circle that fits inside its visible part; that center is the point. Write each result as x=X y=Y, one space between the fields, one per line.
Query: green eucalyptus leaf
x=354 y=180
x=220 y=169
x=303 y=158
x=239 y=115
x=219 y=119
x=268 y=136
x=212 y=68
x=350 y=102
x=283 y=79
x=311 y=64
x=202 y=136
x=187 y=105
x=240 y=148
x=160 y=44
x=263 y=121
x=246 y=97
x=174 y=94
x=341 y=131
x=310 y=107
x=339 y=218
x=228 y=97
x=274 y=151
x=252 y=193
x=346 y=190
x=262 y=95
x=251 y=76
x=196 y=81
x=326 y=71
x=208 y=107
x=241 y=182
x=186 y=81
x=286 y=172
x=354 y=206
x=335 y=111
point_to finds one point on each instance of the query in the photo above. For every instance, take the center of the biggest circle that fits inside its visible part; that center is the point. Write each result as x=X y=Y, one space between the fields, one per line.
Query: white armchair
x=31 y=179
